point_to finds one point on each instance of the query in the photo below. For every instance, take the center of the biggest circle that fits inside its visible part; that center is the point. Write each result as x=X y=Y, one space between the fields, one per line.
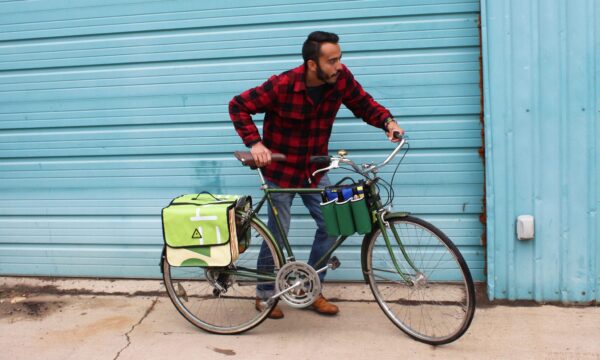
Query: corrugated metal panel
x=110 y=109
x=541 y=74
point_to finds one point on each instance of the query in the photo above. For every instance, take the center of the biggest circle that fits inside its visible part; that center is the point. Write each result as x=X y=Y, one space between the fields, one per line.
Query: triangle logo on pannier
x=196 y=234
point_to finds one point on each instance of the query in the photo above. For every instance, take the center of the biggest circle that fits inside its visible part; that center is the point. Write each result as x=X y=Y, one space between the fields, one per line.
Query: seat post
x=262 y=179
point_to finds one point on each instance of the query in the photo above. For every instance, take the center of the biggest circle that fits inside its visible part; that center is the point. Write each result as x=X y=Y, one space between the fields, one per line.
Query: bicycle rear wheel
x=221 y=300
x=433 y=301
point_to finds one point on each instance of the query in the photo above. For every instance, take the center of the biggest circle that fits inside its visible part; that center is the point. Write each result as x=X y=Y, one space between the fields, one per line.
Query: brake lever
x=335 y=163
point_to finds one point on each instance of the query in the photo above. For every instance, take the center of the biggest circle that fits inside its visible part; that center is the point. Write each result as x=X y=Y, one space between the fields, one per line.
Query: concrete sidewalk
x=134 y=319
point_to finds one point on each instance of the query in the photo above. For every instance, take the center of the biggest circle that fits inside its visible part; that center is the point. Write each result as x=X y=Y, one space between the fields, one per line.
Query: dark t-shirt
x=316 y=93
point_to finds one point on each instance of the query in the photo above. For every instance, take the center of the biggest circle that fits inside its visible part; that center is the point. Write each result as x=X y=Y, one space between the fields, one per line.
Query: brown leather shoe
x=276 y=313
x=322 y=306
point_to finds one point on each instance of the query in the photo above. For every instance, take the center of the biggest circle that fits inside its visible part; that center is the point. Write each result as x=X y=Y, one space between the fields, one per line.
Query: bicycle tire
x=435 y=306
x=232 y=312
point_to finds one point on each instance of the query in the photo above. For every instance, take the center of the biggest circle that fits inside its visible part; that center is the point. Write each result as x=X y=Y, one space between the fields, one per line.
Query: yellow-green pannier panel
x=199 y=230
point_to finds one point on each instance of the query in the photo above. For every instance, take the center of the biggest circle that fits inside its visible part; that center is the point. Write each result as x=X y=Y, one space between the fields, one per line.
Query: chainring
x=304 y=294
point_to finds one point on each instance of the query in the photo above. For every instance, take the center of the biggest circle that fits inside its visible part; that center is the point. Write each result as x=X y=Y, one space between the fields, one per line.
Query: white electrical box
x=525 y=227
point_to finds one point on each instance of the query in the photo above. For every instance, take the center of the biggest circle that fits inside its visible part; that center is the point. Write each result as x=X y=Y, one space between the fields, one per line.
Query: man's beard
x=324 y=77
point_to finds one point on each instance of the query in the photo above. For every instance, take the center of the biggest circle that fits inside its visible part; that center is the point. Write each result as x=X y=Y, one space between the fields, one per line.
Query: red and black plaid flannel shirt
x=294 y=126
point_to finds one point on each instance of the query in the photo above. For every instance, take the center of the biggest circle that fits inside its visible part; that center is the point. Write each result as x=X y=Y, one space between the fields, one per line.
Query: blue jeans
x=320 y=246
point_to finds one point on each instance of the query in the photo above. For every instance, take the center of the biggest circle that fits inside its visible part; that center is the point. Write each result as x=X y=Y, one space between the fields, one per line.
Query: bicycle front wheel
x=432 y=297
x=222 y=300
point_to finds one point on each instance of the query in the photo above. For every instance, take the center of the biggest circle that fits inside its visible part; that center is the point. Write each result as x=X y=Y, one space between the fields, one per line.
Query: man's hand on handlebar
x=393 y=127
x=260 y=154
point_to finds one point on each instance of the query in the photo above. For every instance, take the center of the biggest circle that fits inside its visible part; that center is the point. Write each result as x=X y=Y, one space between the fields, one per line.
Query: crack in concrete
x=148 y=311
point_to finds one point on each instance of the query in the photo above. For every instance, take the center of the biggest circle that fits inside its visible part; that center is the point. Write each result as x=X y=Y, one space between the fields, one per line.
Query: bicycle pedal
x=334 y=263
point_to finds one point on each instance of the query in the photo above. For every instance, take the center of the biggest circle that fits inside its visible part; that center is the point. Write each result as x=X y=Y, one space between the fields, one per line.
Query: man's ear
x=312 y=65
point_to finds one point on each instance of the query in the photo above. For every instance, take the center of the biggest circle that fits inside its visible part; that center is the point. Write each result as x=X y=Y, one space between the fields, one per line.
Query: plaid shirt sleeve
x=362 y=104
x=256 y=100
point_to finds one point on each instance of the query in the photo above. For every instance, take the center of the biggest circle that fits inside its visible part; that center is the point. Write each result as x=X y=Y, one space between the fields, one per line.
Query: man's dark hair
x=312 y=46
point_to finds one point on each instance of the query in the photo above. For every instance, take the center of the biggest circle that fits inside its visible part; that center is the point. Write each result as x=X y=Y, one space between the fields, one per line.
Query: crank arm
x=296 y=284
x=332 y=264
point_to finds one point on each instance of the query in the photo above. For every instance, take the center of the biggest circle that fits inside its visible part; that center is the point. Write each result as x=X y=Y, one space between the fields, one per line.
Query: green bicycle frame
x=340 y=240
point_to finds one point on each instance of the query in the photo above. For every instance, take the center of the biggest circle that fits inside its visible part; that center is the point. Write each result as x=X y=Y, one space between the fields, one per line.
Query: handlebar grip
x=397 y=135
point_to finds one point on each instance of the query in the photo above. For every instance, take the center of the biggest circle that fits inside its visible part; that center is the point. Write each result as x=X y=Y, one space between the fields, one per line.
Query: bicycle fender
x=397 y=214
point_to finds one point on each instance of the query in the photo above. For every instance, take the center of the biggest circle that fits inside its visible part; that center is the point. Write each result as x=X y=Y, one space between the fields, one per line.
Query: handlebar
x=335 y=161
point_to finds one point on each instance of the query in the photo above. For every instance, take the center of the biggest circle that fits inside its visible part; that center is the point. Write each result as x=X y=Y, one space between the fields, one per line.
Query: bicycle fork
x=383 y=225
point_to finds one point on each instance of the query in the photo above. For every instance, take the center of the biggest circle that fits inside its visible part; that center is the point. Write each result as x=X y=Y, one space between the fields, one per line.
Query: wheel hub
x=220 y=281
x=420 y=279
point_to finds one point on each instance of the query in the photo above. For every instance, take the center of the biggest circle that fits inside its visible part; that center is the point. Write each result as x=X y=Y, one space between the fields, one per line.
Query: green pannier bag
x=200 y=230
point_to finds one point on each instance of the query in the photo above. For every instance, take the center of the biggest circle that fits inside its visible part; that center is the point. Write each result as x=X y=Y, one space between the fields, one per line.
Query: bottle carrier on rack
x=345 y=209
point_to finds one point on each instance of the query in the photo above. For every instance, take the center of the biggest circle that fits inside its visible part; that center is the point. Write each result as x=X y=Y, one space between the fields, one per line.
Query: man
x=300 y=106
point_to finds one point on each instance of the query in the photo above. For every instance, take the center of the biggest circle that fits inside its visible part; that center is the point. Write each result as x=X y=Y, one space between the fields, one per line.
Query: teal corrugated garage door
x=108 y=109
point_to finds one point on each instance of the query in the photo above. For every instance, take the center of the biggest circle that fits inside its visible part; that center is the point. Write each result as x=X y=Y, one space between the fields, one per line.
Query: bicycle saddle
x=245 y=157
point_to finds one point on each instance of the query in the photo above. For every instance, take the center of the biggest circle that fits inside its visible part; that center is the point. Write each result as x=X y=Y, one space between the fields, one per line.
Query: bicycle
x=417 y=276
